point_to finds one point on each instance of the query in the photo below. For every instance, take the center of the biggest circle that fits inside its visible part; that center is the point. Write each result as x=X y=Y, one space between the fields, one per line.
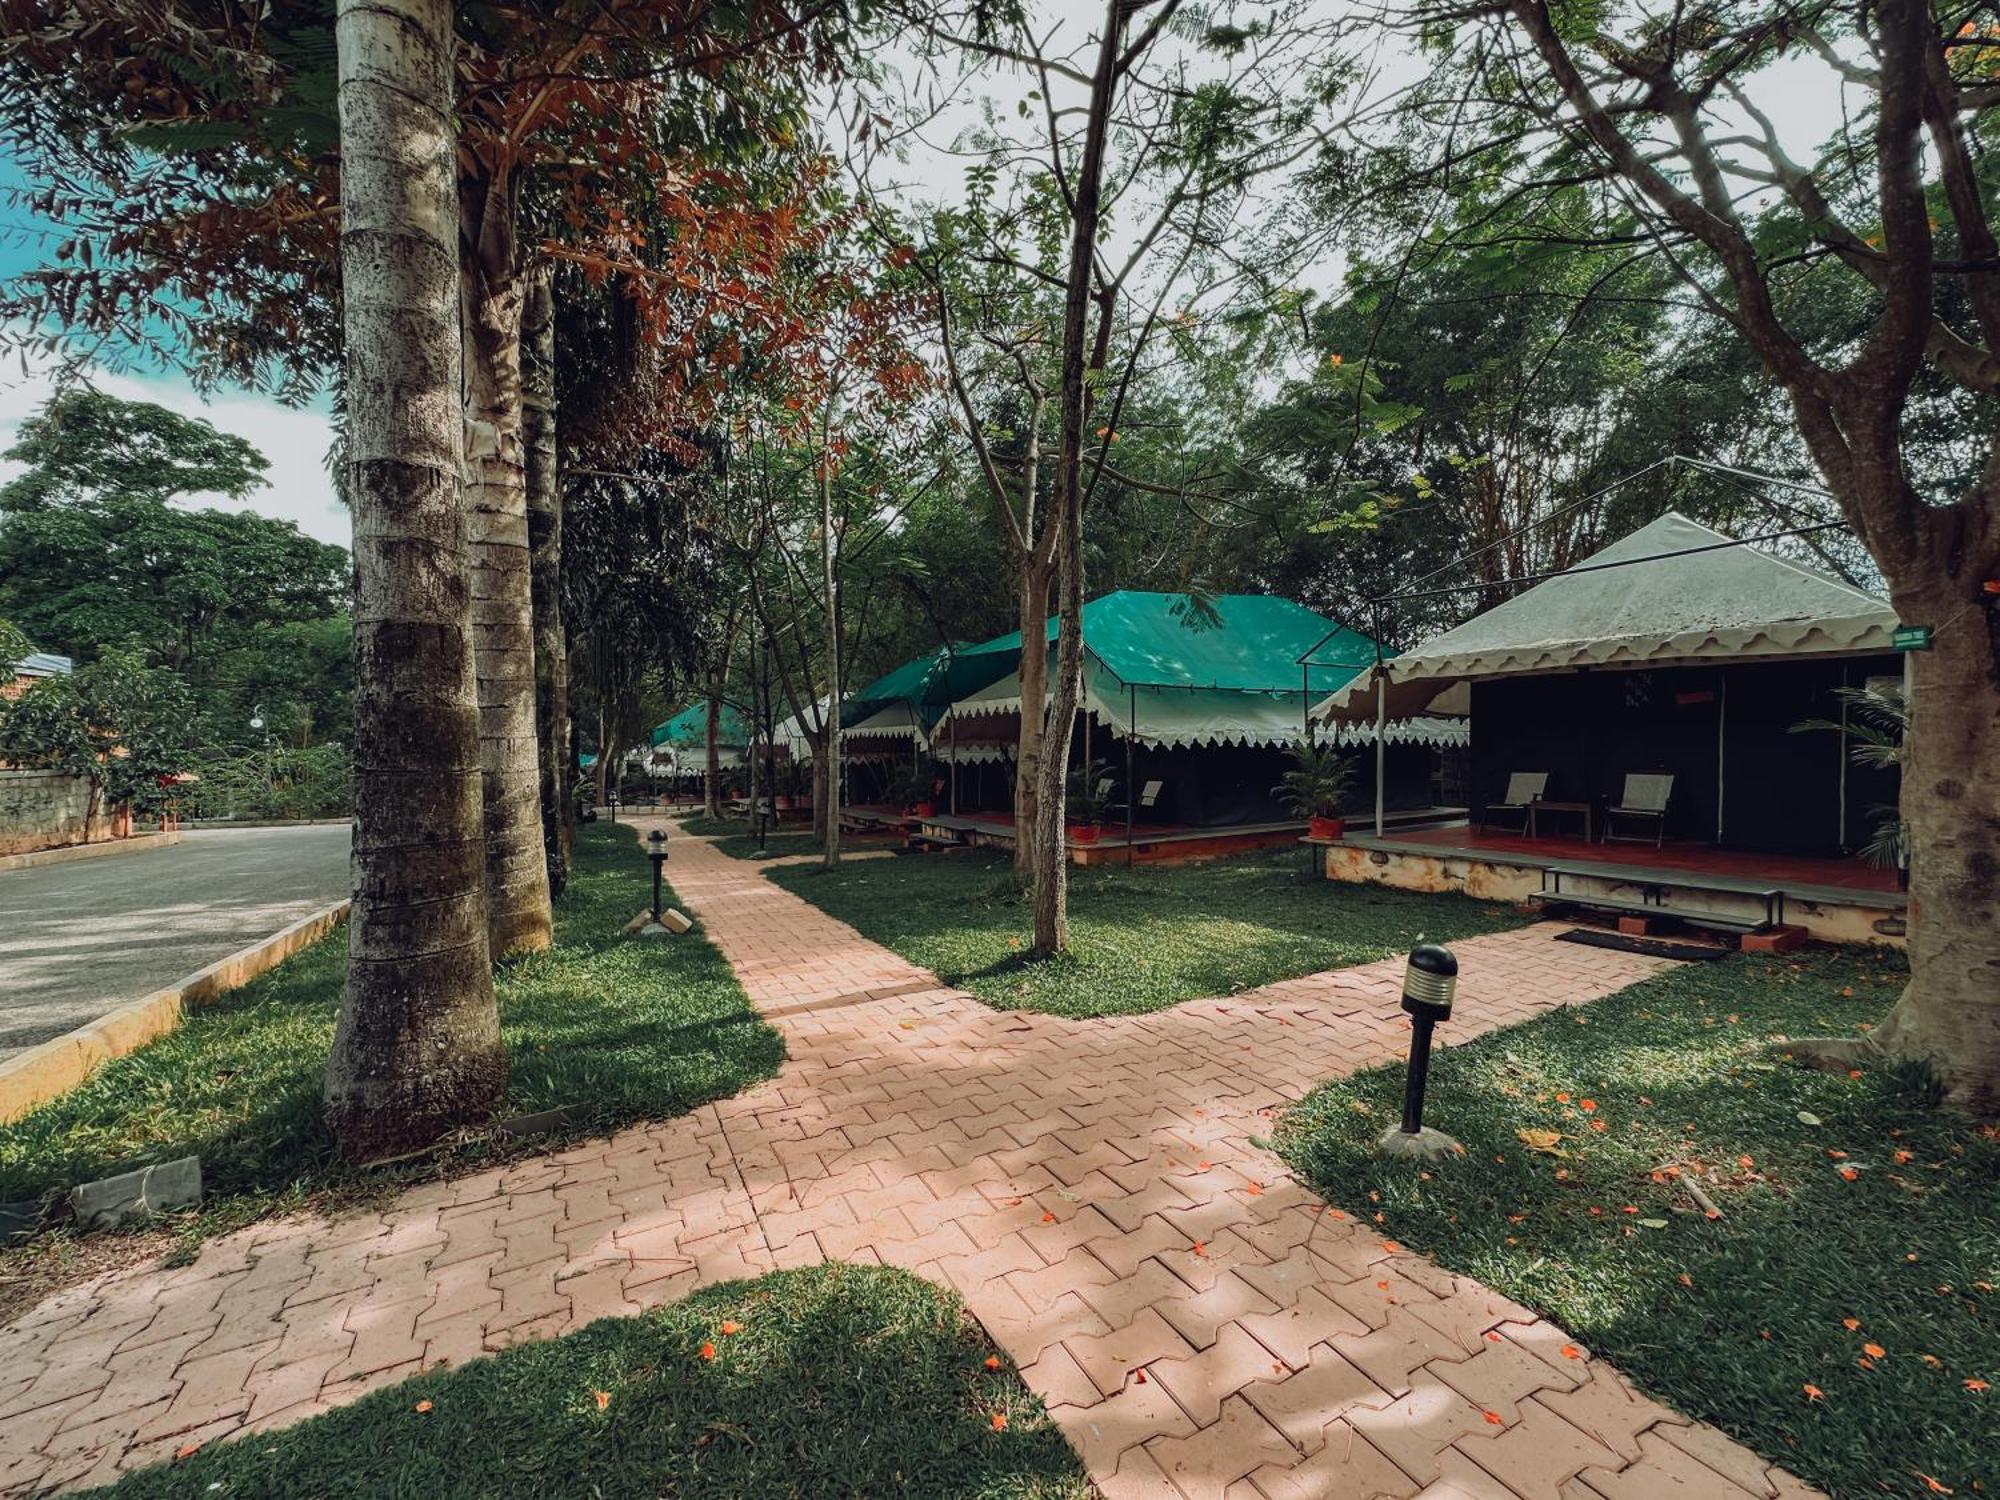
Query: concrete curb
x=138 y=843
x=58 y=1065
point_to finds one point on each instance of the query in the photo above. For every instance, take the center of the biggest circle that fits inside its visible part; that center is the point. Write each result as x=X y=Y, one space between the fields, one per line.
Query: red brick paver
x=1199 y=1323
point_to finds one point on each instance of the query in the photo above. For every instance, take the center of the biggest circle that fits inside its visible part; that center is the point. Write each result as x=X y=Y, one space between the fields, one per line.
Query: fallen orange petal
x=708 y=1351
x=1588 y=1106
x=1976 y=1386
x=1048 y=1218
x=1850 y=1324
x=1873 y=1351
x=1936 y=1487
x=1391 y=1246
x=422 y=1406
x=603 y=1399
x=1570 y=1351
x=999 y=1421
x=729 y=1327
x=186 y=1450
x=1494 y=1417
x=1813 y=1393
x=1849 y=1174
x=992 y=1361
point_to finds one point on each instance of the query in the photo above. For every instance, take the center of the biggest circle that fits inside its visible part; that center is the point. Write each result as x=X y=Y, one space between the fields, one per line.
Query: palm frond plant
x=1877 y=722
x=1318 y=785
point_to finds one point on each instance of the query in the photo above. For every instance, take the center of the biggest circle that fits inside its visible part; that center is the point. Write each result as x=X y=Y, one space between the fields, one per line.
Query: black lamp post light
x=1429 y=982
x=658 y=921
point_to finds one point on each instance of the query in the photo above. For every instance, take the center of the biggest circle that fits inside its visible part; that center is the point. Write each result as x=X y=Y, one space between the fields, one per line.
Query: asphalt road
x=80 y=939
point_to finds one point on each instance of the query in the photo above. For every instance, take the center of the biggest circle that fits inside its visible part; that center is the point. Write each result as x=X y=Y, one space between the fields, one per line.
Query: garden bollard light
x=656 y=851
x=1429 y=981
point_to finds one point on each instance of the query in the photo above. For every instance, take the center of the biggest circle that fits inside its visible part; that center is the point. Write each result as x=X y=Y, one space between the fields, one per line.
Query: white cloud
x=295 y=440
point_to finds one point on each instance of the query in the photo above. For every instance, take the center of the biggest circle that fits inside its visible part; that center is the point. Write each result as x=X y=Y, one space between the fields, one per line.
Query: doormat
x=1590 y=937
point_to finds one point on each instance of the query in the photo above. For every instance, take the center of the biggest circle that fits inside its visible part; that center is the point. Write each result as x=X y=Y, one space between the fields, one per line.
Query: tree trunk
x=1051 y=871
x=417 y=1046
x=712 y=766
x=518 y=917
x=538 y=433
x=1949 y=1013
x=1034 y=674
x=829 y=583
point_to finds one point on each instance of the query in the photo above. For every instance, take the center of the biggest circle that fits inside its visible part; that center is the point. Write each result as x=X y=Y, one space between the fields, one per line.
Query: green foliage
x=1088 y=793
x=1878 y=719
x=1727 y=1320
x=612 y=1029
x=1141 y=939
x=98 y=552
x=1320 y=781
x=839 y=1380
x=117 y=723
x=275 y=781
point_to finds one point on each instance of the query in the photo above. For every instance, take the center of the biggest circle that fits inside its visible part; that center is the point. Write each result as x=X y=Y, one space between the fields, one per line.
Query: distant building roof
x=43 y=664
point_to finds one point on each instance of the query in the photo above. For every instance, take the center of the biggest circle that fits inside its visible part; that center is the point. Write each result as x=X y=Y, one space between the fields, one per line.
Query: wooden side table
x=1540 y=806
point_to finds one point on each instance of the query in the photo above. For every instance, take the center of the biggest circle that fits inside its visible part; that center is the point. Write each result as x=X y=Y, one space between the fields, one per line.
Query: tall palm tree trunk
x=417 y=1047
x=518 y=914
x=545 y=529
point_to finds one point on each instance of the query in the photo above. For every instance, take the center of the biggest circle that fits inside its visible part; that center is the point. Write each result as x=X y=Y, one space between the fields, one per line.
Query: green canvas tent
x=688 y=729
x=1173 y=672
x=925 y=686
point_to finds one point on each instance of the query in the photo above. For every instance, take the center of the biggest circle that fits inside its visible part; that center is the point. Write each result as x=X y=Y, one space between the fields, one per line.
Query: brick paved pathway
x=1198 y=1323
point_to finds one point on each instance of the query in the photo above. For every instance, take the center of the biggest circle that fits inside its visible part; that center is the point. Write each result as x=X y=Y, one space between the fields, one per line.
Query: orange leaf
x=1813 y=1393
x=708 y=1351
x=1494 y=1417
x=1570 y=1351
x=1850 y=1324
x=1904 y=1156
x=1198 y=1250
x=1849 y=1174
x=1873 y=1351
x=999 y=1421
x=992 y=1361
x=186 y=1450
x=1976 y=1386
x=603 y=1399
x=1562 y=1098
x=422 y=1406
x=729 y=1327
x=1391 y=1246
x=1935 y=1487
x=1255 y=1189
x=1745 y=1163
x=1048 y=1218
x=1139 y=1377
x=1493 y=1336
x=1588 y=1106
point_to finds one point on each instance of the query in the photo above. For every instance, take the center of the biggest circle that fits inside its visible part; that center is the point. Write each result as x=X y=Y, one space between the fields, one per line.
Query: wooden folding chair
x=1647 y=794
x=1524 y=789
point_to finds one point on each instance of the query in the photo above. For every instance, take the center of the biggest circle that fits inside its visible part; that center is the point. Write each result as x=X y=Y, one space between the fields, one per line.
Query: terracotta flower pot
x=1084 y=833
x=1325 y=828
x=926 y=809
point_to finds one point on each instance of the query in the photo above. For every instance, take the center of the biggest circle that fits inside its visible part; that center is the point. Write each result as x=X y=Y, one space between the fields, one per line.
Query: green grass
x=614 y=1029
x=1142 y=939
x=1728 y=1320
x=738 y=839
x=841 y=1381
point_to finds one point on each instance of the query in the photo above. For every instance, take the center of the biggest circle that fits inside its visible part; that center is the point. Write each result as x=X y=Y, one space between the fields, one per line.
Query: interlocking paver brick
x=1057 y=1173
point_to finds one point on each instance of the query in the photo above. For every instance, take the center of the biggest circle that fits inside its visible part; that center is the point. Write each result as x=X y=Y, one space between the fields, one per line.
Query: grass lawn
x=1143 y=939
x=738 y=838
x=839 y=1381
x=1843 y=1199
x=615 y=1029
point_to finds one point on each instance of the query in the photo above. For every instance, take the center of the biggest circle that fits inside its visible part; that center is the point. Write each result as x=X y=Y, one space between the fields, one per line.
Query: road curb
x=58 y=1065
x=138 y=843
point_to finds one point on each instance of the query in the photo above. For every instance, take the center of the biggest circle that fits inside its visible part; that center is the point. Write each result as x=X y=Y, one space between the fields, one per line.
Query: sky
x=1803 y=97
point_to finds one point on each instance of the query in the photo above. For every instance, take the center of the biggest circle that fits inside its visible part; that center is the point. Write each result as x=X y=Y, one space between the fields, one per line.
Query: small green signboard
x=1911 y=638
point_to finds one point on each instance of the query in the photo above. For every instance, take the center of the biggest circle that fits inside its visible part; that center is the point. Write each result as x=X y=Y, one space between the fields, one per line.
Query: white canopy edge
x=1177 y=719
x=1415 y=681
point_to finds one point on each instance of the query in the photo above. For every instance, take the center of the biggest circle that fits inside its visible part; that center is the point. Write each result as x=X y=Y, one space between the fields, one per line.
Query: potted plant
x=1317 y=786
x=1877 y=723
x=908 y=789
x=1083 y=806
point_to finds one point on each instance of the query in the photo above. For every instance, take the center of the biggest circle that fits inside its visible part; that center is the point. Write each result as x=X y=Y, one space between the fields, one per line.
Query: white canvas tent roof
x=1684 y=594
x=898 y=721
x=1174 y=717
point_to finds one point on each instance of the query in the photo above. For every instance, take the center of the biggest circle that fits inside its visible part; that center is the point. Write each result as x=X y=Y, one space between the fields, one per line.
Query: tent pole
x=954 y=766
x=1843 y=760
x=1131 y=733
x=1305 y=699
x=1721 y=760
x=1381 y=741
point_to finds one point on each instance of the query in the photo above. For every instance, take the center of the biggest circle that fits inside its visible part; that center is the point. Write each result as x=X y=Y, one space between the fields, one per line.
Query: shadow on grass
x=615 y=1030
x=1842 y=1198
x=840 y=1381
x=1142 y=939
